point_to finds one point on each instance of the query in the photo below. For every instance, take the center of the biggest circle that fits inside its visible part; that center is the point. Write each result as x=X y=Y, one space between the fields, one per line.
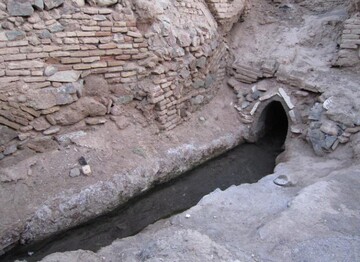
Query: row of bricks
x=127 y=53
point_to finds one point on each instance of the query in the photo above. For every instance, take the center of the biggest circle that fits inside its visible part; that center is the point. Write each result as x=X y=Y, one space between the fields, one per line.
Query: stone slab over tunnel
x=271 y=122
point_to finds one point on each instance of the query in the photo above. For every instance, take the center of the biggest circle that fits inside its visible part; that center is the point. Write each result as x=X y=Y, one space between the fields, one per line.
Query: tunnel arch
x=272 y=122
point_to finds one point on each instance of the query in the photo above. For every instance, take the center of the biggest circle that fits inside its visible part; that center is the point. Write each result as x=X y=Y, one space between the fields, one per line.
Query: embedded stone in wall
x=65 y=76
x=84 y=107
x=50 y=4
x=20 y=8
x=49 y=97
x=102 y=2
x=6 y=135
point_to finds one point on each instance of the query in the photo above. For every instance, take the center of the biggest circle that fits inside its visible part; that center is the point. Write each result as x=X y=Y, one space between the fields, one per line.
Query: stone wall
x=62 y=64
x=349 y=54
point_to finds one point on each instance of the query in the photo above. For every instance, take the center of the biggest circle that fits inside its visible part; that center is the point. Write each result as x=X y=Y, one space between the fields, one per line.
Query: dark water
x=246 y=163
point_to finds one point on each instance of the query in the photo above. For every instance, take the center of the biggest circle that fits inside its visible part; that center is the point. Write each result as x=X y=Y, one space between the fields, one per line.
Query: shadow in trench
x=247 y=163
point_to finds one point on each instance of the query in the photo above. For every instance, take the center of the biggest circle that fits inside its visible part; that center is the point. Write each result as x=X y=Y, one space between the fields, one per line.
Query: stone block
x=15 y=35
x=15 y=57
x=70 y=60
x=50 y=4
x=20 y=8
x=6 y=134
x=65 y=76
x=26 y=65
x=108 y=46
x=40 y=124
x=84 y=107
x=8 y=123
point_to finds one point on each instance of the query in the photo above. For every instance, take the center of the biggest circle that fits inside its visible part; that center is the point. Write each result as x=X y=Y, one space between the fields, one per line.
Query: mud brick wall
x=226 y=12
x=349 y=54
x=63 y=64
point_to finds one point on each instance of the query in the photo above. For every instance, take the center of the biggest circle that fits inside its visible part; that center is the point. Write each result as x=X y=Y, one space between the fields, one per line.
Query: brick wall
x=349 y=53
x=66 y=63
x=226 y=12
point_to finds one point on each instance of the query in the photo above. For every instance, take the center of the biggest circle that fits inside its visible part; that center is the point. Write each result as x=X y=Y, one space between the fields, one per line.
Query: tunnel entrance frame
x=257 y=129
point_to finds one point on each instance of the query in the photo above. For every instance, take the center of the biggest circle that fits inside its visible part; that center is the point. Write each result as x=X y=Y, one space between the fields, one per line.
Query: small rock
x=15 y=35
x=86 y=170
x=198 y=83
x=69 y=138
x=199 y=99
x=335 y=145
x=79 y=2
x=302 y=93
x=116 y=110
x=52 y=130
x=45 y=34
x=3 y=15
x=327 y=103
x=329 y=141
x=82 y=161
x=187 y=216
x=10 y=150
x=316 y=112
x=57 y=27
x=296 y=129
x=74 y=172
x=50 y=4
x=209 y=80
x=39 y=4
x=202 y=119
x=283 y=180
x=249 y=97
x=42 y=144
x=102 y=2
x=123 y=100
x=330 y=128
x=6 y=134
x=95 y=120
x=255 y=95
x=65 y=76
x=23 y=136
x=245 y=104
x=40 y=124
x=50 y=70
x=343 y=139
x=2 y=156
x=121 y=121
x=201 y=62
x=262 y=88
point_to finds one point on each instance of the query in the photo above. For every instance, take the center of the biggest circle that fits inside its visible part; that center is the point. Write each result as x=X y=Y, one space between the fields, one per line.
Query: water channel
x=247 y=163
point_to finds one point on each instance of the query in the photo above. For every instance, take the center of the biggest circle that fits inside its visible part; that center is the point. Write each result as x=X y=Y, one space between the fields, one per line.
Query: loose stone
x=74 y=172
x=86 y=170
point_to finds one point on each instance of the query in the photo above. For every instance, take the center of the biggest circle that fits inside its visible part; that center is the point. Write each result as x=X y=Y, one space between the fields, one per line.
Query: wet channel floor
x=247 y=163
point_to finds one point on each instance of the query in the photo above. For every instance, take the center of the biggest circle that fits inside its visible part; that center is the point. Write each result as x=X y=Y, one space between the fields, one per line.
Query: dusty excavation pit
x=247 y=163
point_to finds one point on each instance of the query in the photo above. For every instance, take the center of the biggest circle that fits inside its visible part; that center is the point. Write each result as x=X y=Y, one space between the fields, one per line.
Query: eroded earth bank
x=101 y=100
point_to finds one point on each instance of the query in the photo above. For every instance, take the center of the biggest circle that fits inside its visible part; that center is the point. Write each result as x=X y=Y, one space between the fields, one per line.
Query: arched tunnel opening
x=273 y=125
x=246 y=163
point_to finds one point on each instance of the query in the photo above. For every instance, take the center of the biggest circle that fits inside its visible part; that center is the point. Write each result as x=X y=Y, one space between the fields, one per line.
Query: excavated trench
x=247 y=163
